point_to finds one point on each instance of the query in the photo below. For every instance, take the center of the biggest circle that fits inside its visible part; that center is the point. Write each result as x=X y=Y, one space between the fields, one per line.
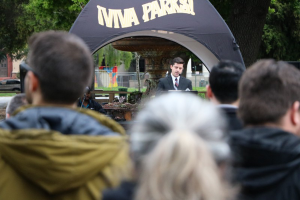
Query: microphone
x=86 y=90
x=82 y=100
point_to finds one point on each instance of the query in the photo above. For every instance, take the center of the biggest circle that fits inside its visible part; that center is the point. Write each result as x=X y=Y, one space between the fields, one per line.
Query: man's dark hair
x=224 y=79
x=62 y=63
x=267 y=90
x=16 y=102
x=177 y=60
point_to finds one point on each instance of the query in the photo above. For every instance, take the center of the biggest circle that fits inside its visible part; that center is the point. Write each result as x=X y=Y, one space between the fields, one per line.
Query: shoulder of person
x=165 y=78
x=95 y=103
x=184 y=79
x=188 y=80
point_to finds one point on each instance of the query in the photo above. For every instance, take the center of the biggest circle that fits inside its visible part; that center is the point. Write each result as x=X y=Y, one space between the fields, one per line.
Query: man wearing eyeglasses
x=51 y=149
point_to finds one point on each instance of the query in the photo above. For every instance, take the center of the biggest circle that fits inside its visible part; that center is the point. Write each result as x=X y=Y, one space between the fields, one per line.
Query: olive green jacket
x=44 y=164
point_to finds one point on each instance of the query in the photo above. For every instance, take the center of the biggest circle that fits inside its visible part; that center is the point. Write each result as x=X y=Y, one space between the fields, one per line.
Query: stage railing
x=109 y=96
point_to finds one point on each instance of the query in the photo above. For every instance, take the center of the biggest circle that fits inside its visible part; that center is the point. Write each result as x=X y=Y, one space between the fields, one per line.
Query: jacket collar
x=64 y=120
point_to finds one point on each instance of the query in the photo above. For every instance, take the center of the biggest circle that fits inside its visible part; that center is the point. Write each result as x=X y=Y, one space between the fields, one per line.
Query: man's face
x=176 y=69
x=87 y=96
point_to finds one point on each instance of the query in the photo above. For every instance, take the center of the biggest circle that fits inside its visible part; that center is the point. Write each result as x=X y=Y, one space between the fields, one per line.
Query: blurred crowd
x=242 y=142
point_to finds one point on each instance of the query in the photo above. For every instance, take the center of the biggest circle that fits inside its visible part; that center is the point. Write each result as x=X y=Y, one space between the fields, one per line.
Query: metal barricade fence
x=129 y=79
x=102 y=78
x=124 y=79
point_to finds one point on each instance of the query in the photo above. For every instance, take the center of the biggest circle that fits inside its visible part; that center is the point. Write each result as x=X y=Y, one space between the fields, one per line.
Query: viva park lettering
x=151 y=11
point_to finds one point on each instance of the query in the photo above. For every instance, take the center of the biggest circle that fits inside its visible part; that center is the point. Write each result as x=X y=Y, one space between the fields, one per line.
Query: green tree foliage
x=50 y=14
x=2 y=52
x=281 y=38
x=100 y=56
x=224 y=7
x=246 y=19
x=126 y=57
x=20 y=18
x=14 y=30
x=2 y=55
x=113 y=57
x=281 y=32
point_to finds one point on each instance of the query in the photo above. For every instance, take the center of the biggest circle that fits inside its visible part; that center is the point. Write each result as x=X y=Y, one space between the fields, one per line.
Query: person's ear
x=171 y=66
x=33 y=81
x=209 y=93
x=295 y=114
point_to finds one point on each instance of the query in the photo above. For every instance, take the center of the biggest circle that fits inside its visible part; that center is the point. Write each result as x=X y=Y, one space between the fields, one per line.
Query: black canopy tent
x=194 y=24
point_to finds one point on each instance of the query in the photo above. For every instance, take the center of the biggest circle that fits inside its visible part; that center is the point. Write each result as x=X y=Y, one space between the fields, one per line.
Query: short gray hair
x=15 y=102
x=179 y=112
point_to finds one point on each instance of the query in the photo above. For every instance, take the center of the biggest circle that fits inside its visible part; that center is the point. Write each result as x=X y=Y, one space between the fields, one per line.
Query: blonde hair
x=180 y=167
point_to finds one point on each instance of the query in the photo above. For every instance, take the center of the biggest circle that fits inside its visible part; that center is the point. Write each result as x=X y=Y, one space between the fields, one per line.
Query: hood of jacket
x=264 y=157
x=64 y=120
x=59 y=153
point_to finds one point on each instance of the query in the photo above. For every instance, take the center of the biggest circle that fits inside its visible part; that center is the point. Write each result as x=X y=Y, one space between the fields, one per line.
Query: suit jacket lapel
x=181 y=83
x=170 y=81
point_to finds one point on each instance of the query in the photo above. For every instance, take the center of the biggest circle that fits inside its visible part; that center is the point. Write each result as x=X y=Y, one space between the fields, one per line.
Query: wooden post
x=137 y=61
x=111 y=97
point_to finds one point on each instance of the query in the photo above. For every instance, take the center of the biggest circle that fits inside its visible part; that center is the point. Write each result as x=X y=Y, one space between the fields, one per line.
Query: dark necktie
x=176 y=83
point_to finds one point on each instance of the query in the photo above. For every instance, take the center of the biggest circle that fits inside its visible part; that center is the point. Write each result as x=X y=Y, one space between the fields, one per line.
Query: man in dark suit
x=223 y=90
x=174 y=81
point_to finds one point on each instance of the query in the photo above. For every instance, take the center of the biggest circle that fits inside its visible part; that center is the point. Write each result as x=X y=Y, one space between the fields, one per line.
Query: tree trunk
x=246 y=22
x=137 y=61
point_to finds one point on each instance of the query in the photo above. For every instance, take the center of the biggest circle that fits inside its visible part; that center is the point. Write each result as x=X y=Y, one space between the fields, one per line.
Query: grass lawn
x=200 y=89
x=7 y=94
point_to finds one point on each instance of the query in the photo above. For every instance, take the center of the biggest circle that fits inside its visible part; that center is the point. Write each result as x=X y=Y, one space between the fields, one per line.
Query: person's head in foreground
x=270 y=95
x=61 y=69
x=223 y=82
x=16 y=102
x=179 y=149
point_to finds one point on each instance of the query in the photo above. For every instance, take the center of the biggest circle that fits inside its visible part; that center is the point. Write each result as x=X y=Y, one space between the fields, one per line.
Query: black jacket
x=124 y=192
x=166 y=84
x=93 y=105
x=267 y=163
x=234 y=123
